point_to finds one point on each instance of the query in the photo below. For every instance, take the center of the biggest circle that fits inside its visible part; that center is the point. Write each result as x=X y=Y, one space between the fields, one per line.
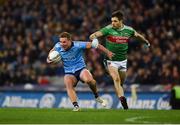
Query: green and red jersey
x=117 y=40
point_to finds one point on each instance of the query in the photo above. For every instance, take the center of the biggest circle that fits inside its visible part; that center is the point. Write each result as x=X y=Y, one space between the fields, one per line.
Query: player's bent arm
x=96 y=35
x=106 y=51
x=142 y=38
x=95 y=44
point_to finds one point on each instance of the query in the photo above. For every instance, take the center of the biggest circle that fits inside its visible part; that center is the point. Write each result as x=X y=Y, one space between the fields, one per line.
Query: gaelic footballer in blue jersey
x=74 y=65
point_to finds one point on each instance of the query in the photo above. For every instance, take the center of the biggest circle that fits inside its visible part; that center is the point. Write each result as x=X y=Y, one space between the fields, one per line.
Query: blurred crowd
x=28 y=26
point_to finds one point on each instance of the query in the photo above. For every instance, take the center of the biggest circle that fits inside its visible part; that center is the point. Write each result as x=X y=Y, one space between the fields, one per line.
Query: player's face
x=116 y=23
x=65 y=43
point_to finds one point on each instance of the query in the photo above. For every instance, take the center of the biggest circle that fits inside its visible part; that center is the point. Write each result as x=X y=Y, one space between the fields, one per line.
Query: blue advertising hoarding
x=40 y=99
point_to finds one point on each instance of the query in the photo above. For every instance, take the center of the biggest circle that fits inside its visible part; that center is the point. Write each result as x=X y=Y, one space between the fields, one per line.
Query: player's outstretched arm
x=106 y=51
x=95 y=44
x=142 y=38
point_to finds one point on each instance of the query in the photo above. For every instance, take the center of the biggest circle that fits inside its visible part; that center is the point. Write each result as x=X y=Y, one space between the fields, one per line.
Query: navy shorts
x=76 y=74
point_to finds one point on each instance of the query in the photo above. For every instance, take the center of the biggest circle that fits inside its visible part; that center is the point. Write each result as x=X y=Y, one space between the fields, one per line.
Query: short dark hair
x=118 y=14
x=65 y=35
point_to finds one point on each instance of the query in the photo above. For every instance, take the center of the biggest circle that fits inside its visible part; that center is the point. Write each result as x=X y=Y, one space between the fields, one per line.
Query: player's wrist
x=147 y=43
x=95 y=43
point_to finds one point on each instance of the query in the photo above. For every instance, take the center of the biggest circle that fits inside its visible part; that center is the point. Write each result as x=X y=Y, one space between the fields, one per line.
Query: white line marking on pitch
x=138 y=119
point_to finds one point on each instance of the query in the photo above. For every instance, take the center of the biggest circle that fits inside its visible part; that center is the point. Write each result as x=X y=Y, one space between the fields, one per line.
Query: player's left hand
x=147 y=45
x=110 y=54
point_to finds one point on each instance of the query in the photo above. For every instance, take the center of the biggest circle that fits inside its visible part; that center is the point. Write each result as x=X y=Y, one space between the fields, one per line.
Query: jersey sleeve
x=131 y=30
x=57 y=47
x=104 y=31
x=80 y=44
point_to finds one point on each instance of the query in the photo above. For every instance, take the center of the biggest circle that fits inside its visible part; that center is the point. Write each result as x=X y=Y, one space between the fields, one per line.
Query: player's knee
x=69 y=86
x=117 y=80
x=90 y=81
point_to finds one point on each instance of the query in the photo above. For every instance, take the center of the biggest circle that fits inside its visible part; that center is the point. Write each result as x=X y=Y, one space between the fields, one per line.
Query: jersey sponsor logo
x=69 y=58
x=118 y=39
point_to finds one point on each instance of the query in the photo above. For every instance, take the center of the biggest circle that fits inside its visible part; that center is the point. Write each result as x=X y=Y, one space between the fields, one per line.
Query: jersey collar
x=69 y=47
x=122 y=28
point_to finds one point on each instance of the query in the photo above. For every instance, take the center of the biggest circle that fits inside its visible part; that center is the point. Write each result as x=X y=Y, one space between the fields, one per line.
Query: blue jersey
x=73 y=58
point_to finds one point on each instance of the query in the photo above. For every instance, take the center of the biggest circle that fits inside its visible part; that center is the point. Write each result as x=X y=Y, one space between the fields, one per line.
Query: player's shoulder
x=57 y=45
x=79 y=43
x=128 y=27
x=108 y=26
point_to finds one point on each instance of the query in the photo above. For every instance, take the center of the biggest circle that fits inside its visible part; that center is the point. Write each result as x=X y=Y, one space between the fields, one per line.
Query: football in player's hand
x=54 y=57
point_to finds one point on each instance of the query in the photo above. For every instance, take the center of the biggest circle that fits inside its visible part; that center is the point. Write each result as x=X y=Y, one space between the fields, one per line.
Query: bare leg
x=87 y=78
x=117 y=81
x=69 y=81
x=122 y=76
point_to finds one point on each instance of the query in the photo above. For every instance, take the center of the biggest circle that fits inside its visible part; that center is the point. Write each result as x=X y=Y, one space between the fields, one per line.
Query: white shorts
x=120 y=65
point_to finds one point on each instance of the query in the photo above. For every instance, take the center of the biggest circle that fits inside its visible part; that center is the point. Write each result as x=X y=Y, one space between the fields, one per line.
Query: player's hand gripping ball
x=54 y=57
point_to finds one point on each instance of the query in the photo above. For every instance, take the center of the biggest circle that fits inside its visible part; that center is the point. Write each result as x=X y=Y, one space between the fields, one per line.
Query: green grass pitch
x=87 y=116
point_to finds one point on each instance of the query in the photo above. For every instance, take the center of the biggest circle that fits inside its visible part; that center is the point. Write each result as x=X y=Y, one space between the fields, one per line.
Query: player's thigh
x=122 y=75
x=86 y=76
x=70 y=80
x=113 y=71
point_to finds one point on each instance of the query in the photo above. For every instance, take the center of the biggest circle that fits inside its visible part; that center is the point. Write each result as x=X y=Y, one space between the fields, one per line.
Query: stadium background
x=28 y=27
